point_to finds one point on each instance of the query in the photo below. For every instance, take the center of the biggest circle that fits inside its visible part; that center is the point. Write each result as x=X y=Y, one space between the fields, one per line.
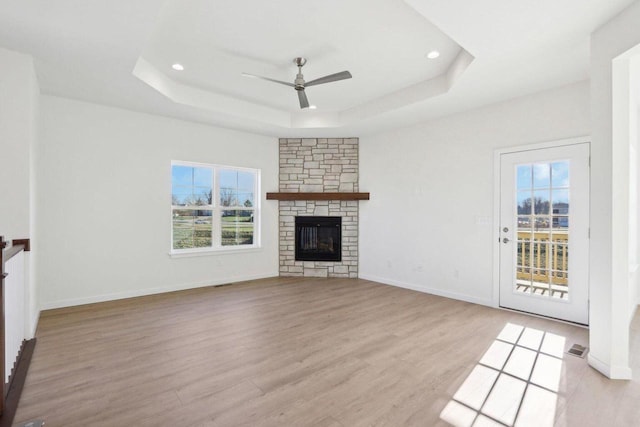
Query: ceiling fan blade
x=330 y=78
x=268 y=79
x=302 y=97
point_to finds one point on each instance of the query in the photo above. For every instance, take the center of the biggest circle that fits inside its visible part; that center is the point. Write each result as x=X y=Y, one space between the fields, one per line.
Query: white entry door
x=544 y=232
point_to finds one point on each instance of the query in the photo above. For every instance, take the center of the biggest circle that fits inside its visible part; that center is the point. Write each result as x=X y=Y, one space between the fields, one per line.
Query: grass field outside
x=193 y=228
x=237 y=228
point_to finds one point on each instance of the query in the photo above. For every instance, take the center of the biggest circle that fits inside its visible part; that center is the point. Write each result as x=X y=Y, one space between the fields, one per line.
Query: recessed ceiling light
x=433 y=54
x=312 y=107
x=177 y=67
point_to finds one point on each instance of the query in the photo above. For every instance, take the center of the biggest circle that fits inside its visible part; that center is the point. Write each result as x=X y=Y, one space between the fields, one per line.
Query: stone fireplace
x=317 y=165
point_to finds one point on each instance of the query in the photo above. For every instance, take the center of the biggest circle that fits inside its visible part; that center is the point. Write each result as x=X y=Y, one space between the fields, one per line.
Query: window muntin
x=213 y=207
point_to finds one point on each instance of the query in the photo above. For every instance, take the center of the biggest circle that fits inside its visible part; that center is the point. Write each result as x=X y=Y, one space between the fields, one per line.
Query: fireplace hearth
x=318 y=238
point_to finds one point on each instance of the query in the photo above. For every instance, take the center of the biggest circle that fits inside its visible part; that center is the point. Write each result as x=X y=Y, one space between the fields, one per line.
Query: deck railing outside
x=543 y=261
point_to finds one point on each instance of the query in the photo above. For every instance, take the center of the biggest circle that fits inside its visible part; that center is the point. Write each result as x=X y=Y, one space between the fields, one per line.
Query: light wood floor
x=287 y=352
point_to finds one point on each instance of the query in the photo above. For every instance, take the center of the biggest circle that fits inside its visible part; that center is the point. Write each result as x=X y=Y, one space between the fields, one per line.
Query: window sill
x=210 y=252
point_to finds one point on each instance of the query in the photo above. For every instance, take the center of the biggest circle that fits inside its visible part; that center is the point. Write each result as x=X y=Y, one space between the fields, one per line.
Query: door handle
x=505 y=240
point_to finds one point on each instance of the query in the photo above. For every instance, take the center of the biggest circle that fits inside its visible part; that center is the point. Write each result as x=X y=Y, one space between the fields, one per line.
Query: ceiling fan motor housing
x=299 y=61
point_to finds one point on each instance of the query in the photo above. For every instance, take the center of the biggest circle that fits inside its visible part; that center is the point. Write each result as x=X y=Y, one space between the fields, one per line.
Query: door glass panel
x=560 y=202
x=542 y=197
x=542 y=175
x=524 y=223
x=559 y=281
x=560 y=174
x=523 y=266
x=524 y=202
x=541 y=223
x=540 y=262
x=524 y=177
x=560 y=223
x=541 y=202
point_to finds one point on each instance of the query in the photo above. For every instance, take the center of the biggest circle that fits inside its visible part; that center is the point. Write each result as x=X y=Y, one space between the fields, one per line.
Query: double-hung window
x=214 y=207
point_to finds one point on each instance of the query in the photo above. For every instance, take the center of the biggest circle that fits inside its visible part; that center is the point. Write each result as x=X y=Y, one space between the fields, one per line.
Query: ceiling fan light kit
x=299 y=84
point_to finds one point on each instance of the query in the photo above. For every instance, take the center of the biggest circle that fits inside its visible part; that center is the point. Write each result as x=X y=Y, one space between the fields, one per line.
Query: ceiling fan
x=299 y=84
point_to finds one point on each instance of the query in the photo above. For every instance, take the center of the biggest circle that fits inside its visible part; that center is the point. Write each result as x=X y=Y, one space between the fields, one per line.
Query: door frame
x=495 y=235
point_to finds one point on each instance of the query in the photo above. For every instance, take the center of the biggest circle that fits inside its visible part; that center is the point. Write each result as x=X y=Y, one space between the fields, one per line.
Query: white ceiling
x=382 y=43
x=88 y=49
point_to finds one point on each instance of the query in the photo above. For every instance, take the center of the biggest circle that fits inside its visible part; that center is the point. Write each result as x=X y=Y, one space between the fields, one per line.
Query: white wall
x=428 y=225
x=637 y=184
x=634 y=212
x=19 y=95
x=104 y=203
x=609 y=274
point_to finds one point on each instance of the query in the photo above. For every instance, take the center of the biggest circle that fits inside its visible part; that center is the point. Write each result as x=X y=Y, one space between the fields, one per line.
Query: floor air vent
x=577 y=350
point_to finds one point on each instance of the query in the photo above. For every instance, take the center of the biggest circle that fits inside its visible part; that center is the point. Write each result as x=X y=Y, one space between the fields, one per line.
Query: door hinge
x=589 y=233
x=589 y=161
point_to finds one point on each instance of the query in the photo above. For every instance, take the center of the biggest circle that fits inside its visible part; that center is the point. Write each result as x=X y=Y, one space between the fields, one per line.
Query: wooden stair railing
x=11 y=390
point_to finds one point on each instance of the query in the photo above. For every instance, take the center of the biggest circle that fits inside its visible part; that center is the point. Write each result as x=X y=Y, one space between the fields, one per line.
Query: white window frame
x=216 y=214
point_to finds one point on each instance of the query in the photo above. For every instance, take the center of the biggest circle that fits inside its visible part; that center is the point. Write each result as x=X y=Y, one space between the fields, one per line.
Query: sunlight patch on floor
x=515 y=383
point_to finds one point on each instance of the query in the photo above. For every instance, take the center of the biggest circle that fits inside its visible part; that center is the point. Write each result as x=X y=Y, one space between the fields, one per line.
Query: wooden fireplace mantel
x=318 y=196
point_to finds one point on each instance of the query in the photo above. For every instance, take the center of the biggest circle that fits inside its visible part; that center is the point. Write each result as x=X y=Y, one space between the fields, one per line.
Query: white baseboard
x=429 y=290
x=612 y=372
x=149 y=291
x=621 y=373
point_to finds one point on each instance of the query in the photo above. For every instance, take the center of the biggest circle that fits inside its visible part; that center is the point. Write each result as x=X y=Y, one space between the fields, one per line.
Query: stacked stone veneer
x=319 y=165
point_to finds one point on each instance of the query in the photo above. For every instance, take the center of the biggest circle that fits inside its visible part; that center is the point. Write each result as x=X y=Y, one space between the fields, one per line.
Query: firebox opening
x=318 y=238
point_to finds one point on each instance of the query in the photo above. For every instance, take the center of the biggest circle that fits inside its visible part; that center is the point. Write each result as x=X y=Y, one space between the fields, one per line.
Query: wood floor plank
x=286 y=352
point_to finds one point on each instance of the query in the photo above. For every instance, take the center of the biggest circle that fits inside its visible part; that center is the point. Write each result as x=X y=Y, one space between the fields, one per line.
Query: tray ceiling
x=492 y=51
x=383 y=43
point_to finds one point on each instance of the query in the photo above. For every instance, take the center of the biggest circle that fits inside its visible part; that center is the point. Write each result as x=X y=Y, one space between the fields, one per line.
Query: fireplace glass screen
x=318 y=238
